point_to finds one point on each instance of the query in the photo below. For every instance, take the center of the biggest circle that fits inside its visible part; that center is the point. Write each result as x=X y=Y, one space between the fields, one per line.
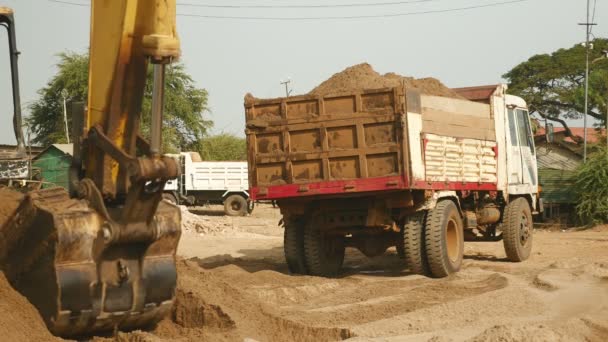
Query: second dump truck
x=390 y=167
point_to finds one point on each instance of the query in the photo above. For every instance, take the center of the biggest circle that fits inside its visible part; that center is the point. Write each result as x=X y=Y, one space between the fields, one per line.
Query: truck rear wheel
x=444 y=239
x=324 y=254
x=413 y=237
x=293 y=245
x=235 y=205
x=517 y=230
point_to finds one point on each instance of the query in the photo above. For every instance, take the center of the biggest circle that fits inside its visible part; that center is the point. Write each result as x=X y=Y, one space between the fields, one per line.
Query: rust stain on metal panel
x=302 y=109
x=307 y=171
x=382 y=165
x=267 y=111
x=344 y=168
x=342 y=137
x=378 y=102
x=305 y=141
x=270 y=143
x=380 y=133
x=341 y=105
x=271 y=173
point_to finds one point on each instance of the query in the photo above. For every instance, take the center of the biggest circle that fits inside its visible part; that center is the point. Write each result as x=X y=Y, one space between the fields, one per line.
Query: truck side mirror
x=549 y=133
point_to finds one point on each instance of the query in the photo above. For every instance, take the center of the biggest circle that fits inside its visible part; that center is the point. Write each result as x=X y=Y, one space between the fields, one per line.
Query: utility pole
x=64 y=94
x=287 y=90
x=588 y=26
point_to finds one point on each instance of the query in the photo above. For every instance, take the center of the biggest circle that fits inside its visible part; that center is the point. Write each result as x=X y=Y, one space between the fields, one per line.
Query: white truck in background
x=204 y=182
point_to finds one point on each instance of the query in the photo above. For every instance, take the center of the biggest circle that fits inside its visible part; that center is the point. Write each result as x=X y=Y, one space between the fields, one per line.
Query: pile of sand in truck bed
x=363 y=76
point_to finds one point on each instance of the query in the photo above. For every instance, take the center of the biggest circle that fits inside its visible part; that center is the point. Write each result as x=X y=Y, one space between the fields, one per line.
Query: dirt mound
x=575 y=329
x=204 y=225
x=214 y=302
x=363 y=76
x=19 y=320
x=10 y=201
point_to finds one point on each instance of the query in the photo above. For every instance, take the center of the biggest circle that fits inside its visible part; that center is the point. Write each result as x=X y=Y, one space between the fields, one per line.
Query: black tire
x=324 y=255
x=517 y=229
x=414 y=252
x=293 y=246
x=444 y=239
x=169 y=197
x=235 y=205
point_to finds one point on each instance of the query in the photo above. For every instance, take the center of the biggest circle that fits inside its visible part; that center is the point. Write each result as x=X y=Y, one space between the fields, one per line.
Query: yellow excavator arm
x=125 y=37
x=104 y=257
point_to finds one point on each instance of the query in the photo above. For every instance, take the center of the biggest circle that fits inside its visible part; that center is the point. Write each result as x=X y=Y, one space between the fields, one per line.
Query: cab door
x=522 y=157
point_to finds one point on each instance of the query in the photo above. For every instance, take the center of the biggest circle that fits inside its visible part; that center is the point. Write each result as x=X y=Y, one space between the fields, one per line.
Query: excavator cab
x=14 y=165
x=101 y=257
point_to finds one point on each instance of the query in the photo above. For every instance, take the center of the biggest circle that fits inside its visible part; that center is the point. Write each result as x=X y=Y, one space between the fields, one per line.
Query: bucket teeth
x=79 y=283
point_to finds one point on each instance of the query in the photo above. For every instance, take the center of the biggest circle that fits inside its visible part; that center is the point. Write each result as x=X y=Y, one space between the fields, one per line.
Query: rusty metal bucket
x=54 y=252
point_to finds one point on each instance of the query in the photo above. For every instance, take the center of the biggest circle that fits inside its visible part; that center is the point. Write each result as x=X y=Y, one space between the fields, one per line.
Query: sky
x=231 y=57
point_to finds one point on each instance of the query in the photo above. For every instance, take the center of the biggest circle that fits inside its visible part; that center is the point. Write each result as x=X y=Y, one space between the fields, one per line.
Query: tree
x=185 y=105
x=224 y=146
x=592 y=188
x=553 y=84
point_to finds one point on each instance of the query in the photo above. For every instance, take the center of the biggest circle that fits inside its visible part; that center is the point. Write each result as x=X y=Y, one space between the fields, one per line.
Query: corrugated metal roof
x=557 y=158
x=557 y=185
x=65 y=148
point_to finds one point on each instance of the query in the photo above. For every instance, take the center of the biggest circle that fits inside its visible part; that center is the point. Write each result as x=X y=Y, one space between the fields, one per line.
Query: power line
x=593 y=16
x=392 y=3
x=391 y=15
x=69 y=3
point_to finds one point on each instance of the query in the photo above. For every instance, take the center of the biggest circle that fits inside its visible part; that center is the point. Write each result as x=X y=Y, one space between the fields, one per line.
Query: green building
x=54 y=163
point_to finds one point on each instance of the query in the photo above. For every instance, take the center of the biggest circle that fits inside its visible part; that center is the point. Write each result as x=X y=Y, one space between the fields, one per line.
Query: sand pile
x=363 y=76
x=10 y=201
x=19 y=320
x=205 y=224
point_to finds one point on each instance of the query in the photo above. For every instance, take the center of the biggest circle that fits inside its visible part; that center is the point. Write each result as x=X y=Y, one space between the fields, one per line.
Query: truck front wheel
x=517 y=230
x=324 y=254
x=293 y=245
x=444 y=239
x=235 y=205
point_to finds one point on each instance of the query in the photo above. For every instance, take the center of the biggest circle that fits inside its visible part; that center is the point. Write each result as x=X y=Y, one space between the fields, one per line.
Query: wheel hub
x=524 y=230
x=452 y=241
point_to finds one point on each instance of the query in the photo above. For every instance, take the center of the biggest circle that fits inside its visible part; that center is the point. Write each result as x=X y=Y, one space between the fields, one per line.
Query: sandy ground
x=559 y=294
x=234 y=286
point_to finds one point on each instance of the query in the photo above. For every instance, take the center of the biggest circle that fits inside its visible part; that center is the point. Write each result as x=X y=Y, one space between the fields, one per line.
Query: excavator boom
x=102 y=257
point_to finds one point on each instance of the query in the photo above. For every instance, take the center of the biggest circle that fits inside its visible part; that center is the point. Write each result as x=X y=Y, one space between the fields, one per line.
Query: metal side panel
x=449 y=159
x=220 y=176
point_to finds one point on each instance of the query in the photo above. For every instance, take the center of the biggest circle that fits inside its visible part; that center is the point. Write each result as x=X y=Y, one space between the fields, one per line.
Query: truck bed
x=373 y=140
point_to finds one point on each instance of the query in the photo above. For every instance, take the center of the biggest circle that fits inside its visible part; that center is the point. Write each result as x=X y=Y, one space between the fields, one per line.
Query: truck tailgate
x=309 y=145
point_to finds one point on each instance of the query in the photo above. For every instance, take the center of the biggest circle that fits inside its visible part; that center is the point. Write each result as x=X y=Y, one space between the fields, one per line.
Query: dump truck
x=203 y=182
x=393 y=167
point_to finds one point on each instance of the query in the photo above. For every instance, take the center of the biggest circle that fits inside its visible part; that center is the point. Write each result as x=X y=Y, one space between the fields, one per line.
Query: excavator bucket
x=53 y=250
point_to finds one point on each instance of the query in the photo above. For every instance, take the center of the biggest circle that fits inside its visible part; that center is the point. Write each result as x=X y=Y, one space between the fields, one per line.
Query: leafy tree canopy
x=224 y=146
x=185 y=105
x=592 y=188
x=553 y=84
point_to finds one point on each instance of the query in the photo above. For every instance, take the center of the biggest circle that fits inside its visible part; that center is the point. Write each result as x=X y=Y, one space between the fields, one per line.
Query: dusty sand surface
x=234 y=286
x=559 y=294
